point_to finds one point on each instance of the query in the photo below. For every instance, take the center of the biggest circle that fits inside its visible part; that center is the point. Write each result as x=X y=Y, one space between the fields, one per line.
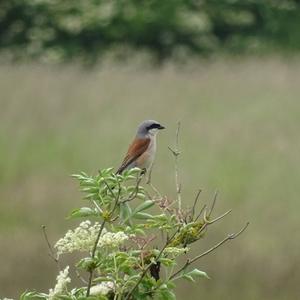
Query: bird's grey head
x=148 y=127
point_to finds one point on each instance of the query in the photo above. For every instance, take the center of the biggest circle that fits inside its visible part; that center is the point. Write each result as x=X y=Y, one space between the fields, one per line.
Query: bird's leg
x=148 y=181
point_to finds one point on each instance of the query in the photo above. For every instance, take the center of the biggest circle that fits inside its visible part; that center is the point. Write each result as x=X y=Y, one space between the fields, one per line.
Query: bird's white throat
x=153 y=131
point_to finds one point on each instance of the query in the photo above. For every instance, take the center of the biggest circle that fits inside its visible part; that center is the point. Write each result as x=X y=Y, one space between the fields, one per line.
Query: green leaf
x=134 y=189
x=171 y=285
x=161 y=217
x=197 y=273
x=139 y=231
x=143 y=206
x=33 y=295
x=83 y=212
x=87 y=263
x=142 y=216
x=125 y=211
x=133 y=171
x=141 y=196
x=166 y=294
x=167 y=262
x=188 y=277
x=90 y=189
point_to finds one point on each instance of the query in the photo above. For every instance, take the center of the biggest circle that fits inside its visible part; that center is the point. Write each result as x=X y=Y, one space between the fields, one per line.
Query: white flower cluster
x=102 y=289
x=113 y=240
x=61 y=285
x=7 y=299
x=82 y=238
x=176 y=251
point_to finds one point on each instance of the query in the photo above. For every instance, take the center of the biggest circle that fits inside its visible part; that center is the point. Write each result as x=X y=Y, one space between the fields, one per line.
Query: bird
x=141 y=152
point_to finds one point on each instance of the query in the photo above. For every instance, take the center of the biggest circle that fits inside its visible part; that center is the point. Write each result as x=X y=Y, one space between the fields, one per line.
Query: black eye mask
x=155 y=126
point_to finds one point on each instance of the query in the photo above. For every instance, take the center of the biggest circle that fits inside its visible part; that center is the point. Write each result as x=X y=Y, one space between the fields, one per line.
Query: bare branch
x=195 y=203
x=80 y=277
x=176 y=153
x=134 y=193
x=213 y=203
x=216 y=219
x=231 y=236
x=201 y=211
x=207 y=222
x=149 y=182
x=51 y=252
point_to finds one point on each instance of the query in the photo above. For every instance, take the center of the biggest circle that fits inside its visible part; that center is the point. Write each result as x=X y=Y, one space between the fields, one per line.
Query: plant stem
x=93 y=256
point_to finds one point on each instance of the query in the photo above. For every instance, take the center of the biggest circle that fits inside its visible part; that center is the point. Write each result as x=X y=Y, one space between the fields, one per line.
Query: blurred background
x=76 y=78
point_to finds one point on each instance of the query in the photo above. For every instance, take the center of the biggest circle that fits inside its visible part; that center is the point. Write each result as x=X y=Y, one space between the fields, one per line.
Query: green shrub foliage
x=56 y=30
x=130 y=242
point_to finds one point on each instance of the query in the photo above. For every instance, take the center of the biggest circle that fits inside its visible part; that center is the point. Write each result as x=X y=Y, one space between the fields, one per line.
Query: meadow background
x=239 y=135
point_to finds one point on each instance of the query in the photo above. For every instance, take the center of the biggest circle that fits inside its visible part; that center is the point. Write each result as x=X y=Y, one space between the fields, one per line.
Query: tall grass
x=240 y=135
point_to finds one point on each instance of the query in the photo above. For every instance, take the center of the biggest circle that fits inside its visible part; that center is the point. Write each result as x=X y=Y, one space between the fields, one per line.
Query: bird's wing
x=136 y=149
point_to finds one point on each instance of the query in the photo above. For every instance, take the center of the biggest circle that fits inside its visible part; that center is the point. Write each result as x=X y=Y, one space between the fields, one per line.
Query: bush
x=121 y=251
x=86 y=29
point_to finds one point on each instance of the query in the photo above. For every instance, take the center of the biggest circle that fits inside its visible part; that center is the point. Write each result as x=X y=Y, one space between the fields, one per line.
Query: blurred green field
x=240 y=135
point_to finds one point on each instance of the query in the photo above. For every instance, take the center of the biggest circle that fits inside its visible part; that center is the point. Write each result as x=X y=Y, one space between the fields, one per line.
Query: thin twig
x=51 y=254
x=80 y=277
x=213 y=203
x=201 y=211
x=149 y=175
x=109 y=188
x=158 y=194
x=117 y=198
x=231 y=236
x=149 y=182
x=195 y=203
x=134 y=193
x=206 y=220
x=176 y=153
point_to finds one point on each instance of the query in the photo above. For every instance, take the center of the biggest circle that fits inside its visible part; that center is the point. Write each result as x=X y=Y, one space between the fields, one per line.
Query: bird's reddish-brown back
x=135 y=150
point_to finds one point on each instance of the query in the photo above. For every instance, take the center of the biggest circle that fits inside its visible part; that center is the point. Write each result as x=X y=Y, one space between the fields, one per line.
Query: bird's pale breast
x=147 y=158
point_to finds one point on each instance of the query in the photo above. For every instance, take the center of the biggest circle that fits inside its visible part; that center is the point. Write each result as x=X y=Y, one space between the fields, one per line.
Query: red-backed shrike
x=142 y=150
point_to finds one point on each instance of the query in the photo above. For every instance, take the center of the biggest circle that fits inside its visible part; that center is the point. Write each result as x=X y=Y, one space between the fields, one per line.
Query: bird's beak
x=161 y=127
